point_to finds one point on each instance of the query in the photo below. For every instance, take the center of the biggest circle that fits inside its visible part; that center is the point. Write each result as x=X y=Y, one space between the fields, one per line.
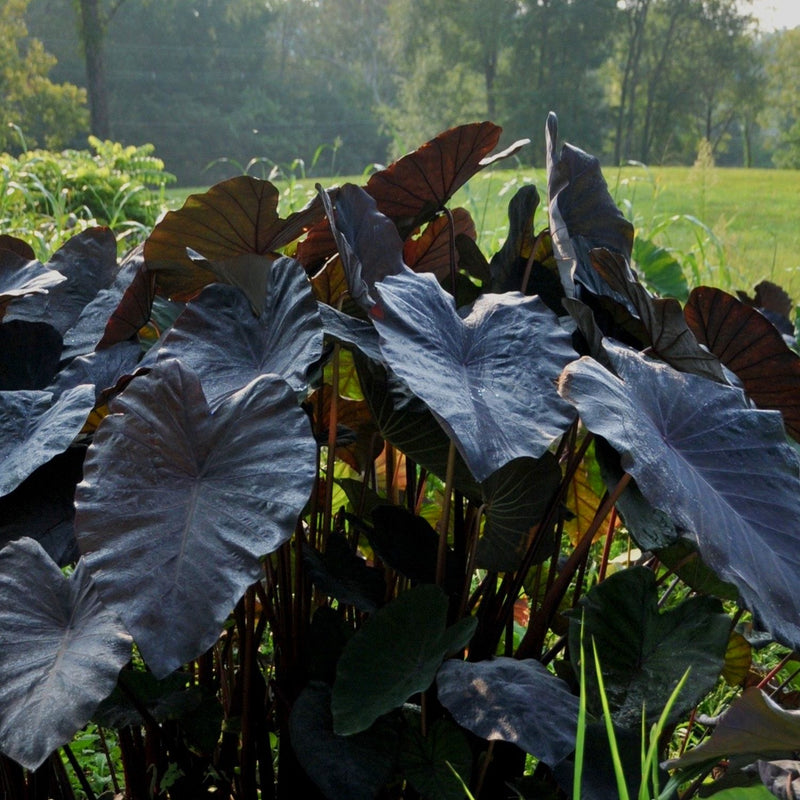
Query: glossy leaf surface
x=722 y=471
x=220 y=338
x=20 y=276
x=495 y=367
x=161 y=480
x=60 y=652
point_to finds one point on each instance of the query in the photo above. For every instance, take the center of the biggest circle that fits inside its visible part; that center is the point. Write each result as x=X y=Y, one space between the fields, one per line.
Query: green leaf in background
x=395 y=655
x=644 y=652
x=660 y=269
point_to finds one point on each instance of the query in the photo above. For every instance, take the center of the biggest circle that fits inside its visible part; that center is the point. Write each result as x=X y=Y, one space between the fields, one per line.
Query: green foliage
x=35 y=111
x=52 y=195
x=297 y=637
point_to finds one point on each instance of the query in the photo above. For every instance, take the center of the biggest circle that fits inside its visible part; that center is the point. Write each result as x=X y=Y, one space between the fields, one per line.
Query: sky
x=775 y=14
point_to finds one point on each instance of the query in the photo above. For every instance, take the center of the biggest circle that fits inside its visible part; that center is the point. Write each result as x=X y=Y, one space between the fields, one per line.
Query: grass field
x=728 y=227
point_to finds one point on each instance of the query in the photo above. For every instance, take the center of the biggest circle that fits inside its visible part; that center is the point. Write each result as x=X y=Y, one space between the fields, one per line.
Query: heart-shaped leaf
x=33 y=429
x=60 y=652
x=495 y=367
x=236 y=216
x=413 y=189
x=516 y=497
x=751 y=347
x=720 y=469
x=514 y=701
x=341 y=766
x=160 y=480
x=583 y=214
x=220 y=338
x=660 y=269
x=507 y=271
x=401 y=648
x=133 y=309
x=643 y=652
x=89 y=263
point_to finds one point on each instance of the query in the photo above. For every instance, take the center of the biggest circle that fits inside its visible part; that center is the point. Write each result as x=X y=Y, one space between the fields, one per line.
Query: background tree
x=784 y=99
x=36 y=111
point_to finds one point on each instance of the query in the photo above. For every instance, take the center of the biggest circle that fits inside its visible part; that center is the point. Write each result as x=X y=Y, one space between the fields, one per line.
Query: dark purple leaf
x=720 y=469
x=103 y=368
x=220 y=338
x=33 y=429
x=178 y=504
x=18 y=246
x=583 y=214
x=495 y=367
x=21 y=275
x=60 y=652
x=512 y=701
x=89 y=263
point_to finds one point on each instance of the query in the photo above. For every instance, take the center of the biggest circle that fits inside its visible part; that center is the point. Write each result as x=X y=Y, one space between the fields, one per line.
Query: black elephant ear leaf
x=103 y=368
x=34 y=429
x=219 y=337
x=60 y=652
x=236 y=216
x=671 y=339
x=13 y=244
x=413 y=189
x=721 y=469
x=367 y=240
x=751 y=347
x=132 y=312
x=21 y=276
x=583 y=214
x=496 y=367
x=89 y=263
x=507 y=273
x=512 y=700
x=431 y=250
x=159 y=481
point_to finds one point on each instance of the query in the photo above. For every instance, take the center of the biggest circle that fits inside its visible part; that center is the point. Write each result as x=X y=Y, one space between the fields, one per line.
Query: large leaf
x=401 y=648
x=236 y=216
x=20 y=276
x=220 y=338
x=494 y=367
x=342 y=766
x=89 y=263
x=719 y=468
x=643 y=652
x=661 y=270
x=582 y=212
x=33 y=429
x=516 y=497
x=178 y=504
x=60 y=652
x=751 y=347
x=754 y=726
x=417 y=186
x=512 y=701
x=431 y=250
x=669 y=336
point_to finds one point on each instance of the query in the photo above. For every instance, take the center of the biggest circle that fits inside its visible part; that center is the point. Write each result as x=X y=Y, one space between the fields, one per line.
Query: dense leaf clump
x=360 y=496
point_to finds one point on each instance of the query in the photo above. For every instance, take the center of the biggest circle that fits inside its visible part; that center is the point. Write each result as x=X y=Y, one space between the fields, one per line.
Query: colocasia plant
x=325 y=505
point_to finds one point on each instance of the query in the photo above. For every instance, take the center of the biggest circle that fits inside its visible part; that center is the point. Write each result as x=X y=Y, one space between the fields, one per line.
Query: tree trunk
x=93 y=36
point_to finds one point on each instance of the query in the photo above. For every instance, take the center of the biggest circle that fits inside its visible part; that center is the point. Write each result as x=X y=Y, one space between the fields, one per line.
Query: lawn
x=729 y=227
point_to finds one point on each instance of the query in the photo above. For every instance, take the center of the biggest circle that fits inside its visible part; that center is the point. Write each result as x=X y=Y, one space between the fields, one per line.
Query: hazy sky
x=776 y=13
